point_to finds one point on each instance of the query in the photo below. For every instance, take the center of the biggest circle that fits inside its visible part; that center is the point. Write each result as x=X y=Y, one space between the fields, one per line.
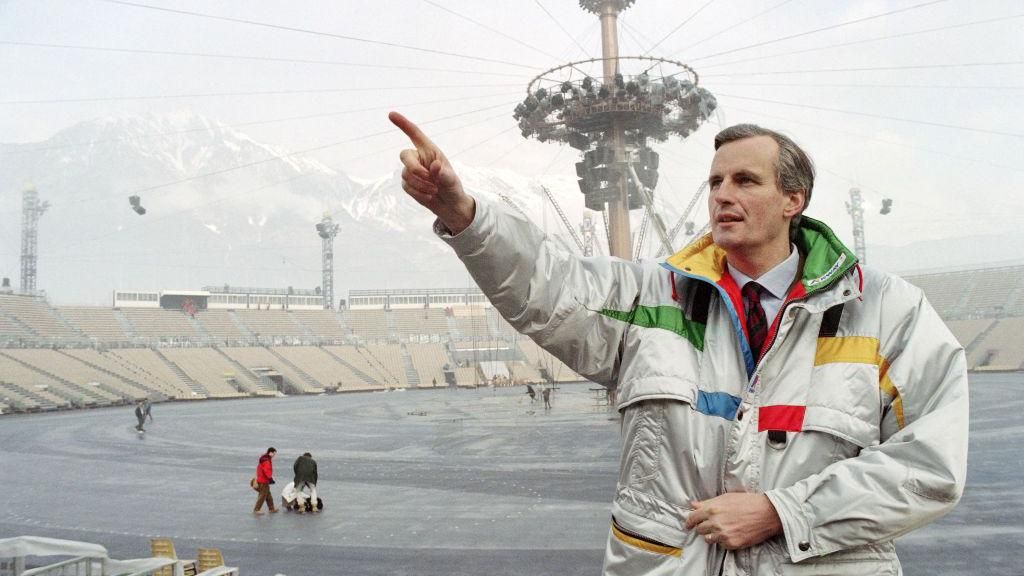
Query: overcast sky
x=934 y=122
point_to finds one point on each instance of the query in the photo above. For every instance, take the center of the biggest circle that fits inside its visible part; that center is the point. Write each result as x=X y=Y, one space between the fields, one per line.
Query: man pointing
x=784 y=410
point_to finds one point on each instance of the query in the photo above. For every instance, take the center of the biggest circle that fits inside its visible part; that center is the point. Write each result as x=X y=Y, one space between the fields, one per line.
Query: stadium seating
x=94 y=322
x=219 y=324
x=37 y=315
x=322 y=323
x=257 y=359
x=420 y=322
x=368 y=324
x=271 y=323
x=160 y=324
x=214 y=373
x=428 y=360
x=323 y=367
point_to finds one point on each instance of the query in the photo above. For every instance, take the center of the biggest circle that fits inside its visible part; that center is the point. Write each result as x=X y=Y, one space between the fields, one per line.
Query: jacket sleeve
x=916 y=473
x=554 y=297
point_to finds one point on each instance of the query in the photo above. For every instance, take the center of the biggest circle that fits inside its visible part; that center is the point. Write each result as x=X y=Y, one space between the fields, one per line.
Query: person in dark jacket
x=140 y=415
x=264 y=478
x=305 y=480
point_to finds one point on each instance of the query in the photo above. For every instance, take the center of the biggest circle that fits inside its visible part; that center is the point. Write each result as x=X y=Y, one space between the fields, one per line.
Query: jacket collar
x=826 y=260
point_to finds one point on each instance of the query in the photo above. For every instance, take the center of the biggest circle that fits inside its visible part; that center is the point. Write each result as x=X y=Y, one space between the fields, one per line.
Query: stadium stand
x=387 y=358
x=999 y=348
x=263 y=361
x=217 y=376
x=155 y=385
x=367 y=324
x=428 y=360
x=419 y=322
x=324 y=368
x=94 y=322
x=160 y=324
x=36 y=315
x=322 y=323
x=219 y=324
x=271 y=323
x=75 y=356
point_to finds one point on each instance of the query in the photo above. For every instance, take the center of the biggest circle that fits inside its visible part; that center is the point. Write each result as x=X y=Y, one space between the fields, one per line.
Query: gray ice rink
x=432 y=482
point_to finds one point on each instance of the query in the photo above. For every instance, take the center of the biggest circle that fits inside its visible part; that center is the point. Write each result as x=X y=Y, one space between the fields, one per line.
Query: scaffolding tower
x=327 y=229
x=31 y=210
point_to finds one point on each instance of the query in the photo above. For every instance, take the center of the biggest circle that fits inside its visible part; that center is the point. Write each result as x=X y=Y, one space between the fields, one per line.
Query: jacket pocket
x=844 y=401
x=877 y=559
x=630 y=552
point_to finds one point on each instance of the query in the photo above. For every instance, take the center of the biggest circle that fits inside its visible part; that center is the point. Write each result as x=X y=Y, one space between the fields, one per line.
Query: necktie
x=757 y=322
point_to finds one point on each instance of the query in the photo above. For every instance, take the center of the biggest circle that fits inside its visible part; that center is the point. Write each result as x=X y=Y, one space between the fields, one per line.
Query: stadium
x=242 y=342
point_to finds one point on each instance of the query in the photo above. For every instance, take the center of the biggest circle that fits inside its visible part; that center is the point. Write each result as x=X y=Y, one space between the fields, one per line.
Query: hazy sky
x=921 y=105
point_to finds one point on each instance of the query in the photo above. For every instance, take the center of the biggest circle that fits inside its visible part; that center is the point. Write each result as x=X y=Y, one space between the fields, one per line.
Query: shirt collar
x=777 y=280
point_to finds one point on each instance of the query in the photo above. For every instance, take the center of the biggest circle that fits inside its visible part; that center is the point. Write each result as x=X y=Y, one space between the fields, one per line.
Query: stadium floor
x=433 y=482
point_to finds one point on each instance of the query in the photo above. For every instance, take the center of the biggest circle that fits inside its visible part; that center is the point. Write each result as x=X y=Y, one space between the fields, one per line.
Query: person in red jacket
x=264 y=478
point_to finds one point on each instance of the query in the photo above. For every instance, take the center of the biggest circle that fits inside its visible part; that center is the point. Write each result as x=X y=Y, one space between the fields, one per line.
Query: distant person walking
x=531 y=392
x=305 y=480
x=147 y=409
x=264 y=478
x=547 y=398
x=140 y=415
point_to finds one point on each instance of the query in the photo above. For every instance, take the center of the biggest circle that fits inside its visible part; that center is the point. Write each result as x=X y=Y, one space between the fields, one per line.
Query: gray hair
x=794 y=169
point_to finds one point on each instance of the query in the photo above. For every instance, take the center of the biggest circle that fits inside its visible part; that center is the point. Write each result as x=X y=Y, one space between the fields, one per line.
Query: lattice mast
x=327 y=229
x=31 y=210
x=855 y=208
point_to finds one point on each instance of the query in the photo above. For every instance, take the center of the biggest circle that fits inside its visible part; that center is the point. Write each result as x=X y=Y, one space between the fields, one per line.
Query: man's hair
x=271 y=449
x=307 y=455
x=794 y=169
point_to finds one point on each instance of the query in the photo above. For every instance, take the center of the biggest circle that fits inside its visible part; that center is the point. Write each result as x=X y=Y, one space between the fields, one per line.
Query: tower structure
x=855 y=207
x=587 y=234
x=31 y=210
x=611 y=117
x=327 y=229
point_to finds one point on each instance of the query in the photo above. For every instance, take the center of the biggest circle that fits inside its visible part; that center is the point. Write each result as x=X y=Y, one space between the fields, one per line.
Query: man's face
x=748 y=211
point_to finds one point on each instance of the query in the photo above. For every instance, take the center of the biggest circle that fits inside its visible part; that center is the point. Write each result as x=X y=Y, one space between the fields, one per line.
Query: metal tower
x=587 y=232
x=31 y=210
x=855 y=207
x=327 y=230
x=612 y=118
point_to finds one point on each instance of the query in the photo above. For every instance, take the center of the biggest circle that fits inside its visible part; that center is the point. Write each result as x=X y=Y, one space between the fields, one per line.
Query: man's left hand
x=735 y=520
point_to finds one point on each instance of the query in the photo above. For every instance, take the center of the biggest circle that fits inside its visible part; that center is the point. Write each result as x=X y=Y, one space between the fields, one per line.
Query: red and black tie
x=757 y=322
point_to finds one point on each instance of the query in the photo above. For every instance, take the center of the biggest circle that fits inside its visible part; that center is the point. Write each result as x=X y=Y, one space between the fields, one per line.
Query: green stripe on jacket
x=669 y=318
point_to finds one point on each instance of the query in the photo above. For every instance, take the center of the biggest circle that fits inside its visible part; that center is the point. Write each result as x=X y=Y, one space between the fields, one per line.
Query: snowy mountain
x=223 y=210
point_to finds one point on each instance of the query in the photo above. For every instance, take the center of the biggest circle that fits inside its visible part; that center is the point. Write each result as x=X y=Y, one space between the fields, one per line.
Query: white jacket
x=853 y=421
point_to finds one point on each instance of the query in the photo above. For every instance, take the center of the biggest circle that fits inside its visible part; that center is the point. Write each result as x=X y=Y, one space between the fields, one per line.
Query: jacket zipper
x=641 y=537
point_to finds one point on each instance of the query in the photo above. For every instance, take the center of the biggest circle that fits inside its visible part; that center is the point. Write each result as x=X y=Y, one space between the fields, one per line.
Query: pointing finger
x=418 y=138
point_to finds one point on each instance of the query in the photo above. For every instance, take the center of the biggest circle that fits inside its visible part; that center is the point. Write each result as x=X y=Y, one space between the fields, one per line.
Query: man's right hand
x=430 y=179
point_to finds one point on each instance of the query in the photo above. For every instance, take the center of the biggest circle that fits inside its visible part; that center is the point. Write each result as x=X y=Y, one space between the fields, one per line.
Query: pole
x=619 y=241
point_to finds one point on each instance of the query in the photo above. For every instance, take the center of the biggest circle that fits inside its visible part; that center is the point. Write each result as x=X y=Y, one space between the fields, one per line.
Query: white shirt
x=776 y=283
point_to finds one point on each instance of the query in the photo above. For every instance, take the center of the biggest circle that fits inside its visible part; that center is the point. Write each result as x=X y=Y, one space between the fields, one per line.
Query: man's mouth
x=728 y=218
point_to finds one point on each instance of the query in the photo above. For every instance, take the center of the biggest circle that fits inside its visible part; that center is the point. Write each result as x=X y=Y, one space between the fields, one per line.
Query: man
x=147 y=409
x=264 y=478
x=140 y=416
x=784 y=410
x=547 y=397
x=305 y=481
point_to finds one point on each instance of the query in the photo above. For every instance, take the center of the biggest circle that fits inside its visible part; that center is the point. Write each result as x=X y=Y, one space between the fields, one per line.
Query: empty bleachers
x=322 y=323
x=270 y=323
x=428 y=360
x=211 y=371
x=420 y=322
x=152 y=384
x=387 y=358
x=37 y=315
x=323 y=367
x=361 y=362
x=1002 y=347
x=160 y=324
x=256 y=359
x=220 y=325
x=367 y=324
x=94 y=322
x=15 y=371
x=150 y=364
x=105 y=387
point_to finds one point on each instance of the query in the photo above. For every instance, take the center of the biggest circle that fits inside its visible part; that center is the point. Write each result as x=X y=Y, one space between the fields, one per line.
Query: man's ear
x=795 y=201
